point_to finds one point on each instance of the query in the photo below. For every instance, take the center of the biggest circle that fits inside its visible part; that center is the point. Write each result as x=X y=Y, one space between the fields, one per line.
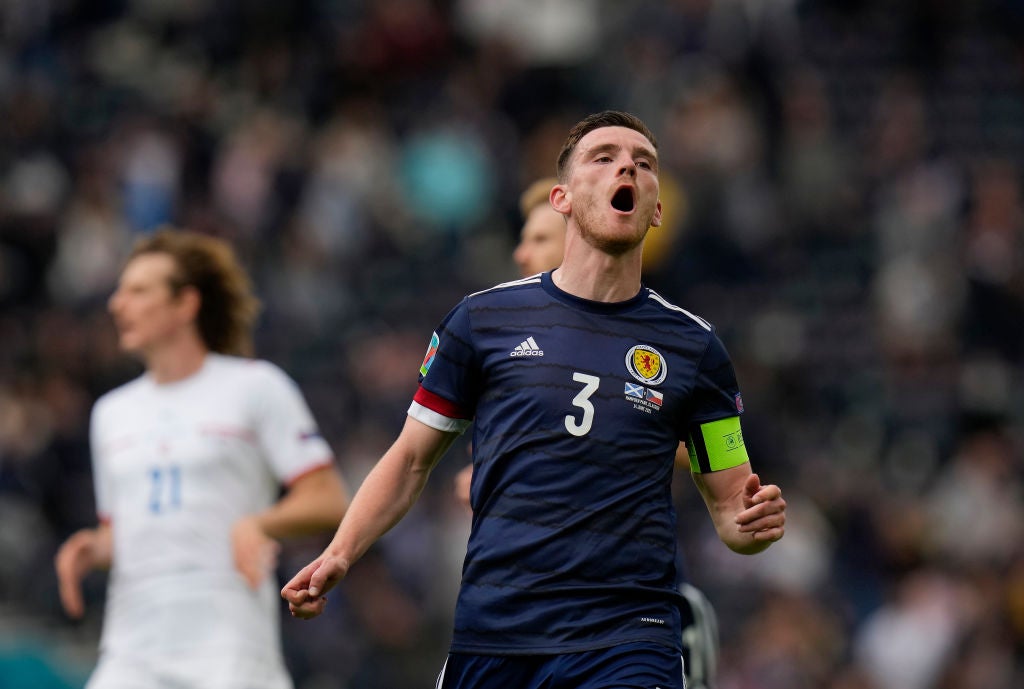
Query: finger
x=264 y=563
x=270 y=556
x=318 y=581
x=71 y=599
x=300 y=582
x=772 y=534
x=768 y=492
x=297 y=597
x=760 y=509
x=768 y=521
x=777 y=506
x=750 y=488
x=749 y=515
x=250 y=563
x=296 y=591
x=68 y=586
x=67 y=556
x=753 y=483
x=309 y=609
x=252 y=574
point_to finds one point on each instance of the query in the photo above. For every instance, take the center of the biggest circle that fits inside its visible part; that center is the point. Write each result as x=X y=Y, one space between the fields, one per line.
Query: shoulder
x=685 y=318
x=123 y=395
x=492 y=302
x=247 y=372
x=225 y=365
x=506 y=290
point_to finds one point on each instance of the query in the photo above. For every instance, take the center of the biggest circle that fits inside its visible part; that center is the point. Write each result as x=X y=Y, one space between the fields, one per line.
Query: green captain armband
x=716 y=445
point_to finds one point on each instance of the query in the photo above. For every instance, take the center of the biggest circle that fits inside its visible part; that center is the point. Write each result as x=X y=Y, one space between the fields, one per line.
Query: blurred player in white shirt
x=189 y=462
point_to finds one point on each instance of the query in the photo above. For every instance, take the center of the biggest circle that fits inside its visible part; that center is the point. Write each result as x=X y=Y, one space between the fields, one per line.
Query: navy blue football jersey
x=577 y=409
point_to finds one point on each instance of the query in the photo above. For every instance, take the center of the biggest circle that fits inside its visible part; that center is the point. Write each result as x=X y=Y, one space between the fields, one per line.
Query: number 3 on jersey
x=582 y=400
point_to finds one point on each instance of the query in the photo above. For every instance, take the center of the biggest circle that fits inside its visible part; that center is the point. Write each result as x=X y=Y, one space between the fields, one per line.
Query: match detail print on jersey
x=716 y=445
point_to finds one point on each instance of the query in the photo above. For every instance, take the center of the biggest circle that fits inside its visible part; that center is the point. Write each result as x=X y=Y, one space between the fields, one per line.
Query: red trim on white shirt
x=325 y=464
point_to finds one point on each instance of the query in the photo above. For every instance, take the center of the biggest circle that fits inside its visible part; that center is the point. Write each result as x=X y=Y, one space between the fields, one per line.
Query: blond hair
x=536 y=194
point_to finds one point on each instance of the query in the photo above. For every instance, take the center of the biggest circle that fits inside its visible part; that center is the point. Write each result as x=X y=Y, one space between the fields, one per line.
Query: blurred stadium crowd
x=843 y=189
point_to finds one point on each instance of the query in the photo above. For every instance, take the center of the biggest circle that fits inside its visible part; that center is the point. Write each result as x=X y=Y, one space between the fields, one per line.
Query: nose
x=519 y=255
x=113 y=302
x=628 y=168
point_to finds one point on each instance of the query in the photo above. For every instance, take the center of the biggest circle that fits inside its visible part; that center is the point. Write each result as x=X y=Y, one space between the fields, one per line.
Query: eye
x=604 y=159
x=644 y=164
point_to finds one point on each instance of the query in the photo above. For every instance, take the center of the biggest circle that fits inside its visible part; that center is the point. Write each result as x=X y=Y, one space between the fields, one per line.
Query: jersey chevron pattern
x=577 y=409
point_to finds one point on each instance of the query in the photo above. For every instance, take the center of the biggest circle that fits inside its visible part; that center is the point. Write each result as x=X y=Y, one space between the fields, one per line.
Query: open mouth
x=623 y=200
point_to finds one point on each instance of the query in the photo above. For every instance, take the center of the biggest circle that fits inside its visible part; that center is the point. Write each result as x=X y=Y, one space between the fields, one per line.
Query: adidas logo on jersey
x=527 y=347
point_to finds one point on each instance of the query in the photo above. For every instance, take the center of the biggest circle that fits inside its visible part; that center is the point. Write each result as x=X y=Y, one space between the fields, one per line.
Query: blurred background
x=842 y=183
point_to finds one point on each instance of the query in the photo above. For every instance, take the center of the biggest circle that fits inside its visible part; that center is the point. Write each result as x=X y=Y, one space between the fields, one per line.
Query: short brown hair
x=608 y=118
x=537 y=193
x=228 y=308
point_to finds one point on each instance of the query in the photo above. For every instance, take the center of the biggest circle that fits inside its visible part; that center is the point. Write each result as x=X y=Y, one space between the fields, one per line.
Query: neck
x=595 y=275
x=176 y=361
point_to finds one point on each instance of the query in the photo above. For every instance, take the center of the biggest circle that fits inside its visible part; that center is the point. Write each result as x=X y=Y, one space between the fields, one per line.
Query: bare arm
x=748 y=517
x=387 y=494
x=81 y=553
x=463 y=482
x=314 y=502
x=682 y=458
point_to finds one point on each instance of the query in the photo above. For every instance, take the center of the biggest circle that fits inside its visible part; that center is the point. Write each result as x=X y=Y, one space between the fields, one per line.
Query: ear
x=189 y=301
x=560 y=199
x=656 y=219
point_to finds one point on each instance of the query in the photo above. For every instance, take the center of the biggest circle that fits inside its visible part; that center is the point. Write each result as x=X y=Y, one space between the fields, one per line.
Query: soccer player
x=579 y=384
x=542 y=237
x=189 y=461
x=541 y=246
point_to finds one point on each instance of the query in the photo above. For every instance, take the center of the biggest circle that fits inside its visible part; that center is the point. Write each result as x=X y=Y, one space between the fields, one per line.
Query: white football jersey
x=175 y=466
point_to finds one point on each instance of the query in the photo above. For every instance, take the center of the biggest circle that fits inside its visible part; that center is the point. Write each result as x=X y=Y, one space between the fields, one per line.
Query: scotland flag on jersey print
x=634 y=390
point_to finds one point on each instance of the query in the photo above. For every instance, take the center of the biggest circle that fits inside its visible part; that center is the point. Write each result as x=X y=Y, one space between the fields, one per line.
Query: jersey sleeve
x=716 y=393
x=449 y=380
x=287 y=431
x=713 y=435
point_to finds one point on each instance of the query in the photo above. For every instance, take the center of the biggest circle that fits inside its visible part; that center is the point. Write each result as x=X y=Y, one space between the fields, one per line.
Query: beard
x=614 y=243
